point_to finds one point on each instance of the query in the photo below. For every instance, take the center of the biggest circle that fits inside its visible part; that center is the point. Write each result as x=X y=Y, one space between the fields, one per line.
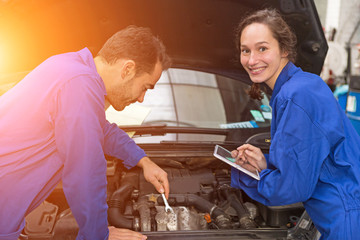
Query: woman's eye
x=262 y=49
x=245 y=51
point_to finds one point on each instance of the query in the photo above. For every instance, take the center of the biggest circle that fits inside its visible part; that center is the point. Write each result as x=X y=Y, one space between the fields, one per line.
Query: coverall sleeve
x=118 y=144
x=79 y=139
x=298 y=149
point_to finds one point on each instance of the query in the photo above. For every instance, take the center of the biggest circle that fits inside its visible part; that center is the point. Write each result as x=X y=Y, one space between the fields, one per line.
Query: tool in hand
x=167 y=207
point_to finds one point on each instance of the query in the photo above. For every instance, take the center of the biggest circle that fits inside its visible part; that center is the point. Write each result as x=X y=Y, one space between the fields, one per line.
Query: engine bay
x=195 y=197
x=200 y=195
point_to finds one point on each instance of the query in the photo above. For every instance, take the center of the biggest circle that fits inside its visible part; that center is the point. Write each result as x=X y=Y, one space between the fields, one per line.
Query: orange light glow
x=31 y=31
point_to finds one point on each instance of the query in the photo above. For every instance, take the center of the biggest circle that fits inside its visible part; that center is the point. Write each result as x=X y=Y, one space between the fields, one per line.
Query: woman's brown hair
x=280 y=31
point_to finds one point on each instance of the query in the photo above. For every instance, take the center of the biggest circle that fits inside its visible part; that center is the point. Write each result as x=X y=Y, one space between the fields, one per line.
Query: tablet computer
x=225 y=156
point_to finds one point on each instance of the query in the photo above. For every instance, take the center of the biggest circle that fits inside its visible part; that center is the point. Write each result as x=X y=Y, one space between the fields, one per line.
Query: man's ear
x=128 y=69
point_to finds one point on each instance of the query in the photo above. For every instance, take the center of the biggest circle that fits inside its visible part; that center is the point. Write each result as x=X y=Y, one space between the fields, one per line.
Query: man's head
x=130 y=62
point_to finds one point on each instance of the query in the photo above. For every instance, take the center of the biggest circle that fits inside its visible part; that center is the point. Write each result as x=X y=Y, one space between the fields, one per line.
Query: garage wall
x=343 y=15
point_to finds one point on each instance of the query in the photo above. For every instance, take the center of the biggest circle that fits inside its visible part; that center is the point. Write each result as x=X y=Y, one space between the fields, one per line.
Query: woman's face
x=260 y=54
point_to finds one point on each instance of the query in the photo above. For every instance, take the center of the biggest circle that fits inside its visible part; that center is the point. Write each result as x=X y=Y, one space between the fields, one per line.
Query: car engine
x=200 y=195
x=201 y=199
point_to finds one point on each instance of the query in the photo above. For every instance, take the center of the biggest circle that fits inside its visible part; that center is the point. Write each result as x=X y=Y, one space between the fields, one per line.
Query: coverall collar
x=88 y=59
x=286 y=73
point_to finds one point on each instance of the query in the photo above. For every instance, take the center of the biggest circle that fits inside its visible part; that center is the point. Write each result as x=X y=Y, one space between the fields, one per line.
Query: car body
x=198 y=103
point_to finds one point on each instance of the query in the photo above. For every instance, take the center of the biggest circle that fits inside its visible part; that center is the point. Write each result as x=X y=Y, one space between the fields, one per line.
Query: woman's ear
x=284 y=54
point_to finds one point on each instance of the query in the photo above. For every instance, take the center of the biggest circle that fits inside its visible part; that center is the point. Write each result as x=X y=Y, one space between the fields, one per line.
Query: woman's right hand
x=124 y=234
x=250 y=157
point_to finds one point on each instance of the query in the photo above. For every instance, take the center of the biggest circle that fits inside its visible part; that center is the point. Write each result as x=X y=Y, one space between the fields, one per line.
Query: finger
x=251 y=154
x=242 y=155
x=165 y=183
x=240 y=161
x=251 y=158
x=253 y=163
x=247 y=147
x=249 y=167
x=121 y=233
x=245 y=164
x=254 y=149
x=158 y=186
x=161 y=183
x=234 y=153
x=248 y=161
x=243 y=147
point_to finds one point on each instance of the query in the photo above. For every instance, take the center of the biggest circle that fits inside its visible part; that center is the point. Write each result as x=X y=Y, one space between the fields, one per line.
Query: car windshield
x=188 y=98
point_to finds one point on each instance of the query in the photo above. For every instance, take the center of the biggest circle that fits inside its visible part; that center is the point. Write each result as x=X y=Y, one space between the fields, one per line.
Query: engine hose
x=244 y=216
x=222 y=220
x=145 y=214
x=116 y=207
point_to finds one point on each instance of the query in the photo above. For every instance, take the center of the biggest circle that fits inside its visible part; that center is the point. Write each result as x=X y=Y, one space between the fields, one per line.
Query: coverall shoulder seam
x=310 y=118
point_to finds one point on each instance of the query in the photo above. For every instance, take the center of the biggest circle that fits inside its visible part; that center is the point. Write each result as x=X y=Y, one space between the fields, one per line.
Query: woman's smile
x=256 y=70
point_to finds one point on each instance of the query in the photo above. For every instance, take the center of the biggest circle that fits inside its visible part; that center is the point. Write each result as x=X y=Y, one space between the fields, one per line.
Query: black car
x=200 y=102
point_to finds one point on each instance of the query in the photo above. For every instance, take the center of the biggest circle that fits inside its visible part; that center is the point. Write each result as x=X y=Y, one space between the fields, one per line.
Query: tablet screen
x=225 y=155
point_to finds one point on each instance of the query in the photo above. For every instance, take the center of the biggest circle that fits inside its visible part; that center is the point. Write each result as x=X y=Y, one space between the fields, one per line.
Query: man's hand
x=124 y=234
x=247 y=154
x=155 y=175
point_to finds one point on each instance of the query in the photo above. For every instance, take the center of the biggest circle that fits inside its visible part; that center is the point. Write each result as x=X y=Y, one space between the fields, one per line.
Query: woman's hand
x=249 y=157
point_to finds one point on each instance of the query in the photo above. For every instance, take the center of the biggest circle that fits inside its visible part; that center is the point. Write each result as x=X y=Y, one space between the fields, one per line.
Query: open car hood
x=197 y=34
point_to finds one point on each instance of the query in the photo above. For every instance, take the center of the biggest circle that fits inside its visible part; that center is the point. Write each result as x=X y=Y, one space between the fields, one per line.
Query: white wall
x=342 y=15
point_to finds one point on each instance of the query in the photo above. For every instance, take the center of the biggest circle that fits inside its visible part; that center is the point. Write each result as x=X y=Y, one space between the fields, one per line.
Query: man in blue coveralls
x=53 y=128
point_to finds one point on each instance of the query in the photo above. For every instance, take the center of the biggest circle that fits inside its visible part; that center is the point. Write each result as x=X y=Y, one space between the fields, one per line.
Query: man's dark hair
x=280 y=31
x=137 y=44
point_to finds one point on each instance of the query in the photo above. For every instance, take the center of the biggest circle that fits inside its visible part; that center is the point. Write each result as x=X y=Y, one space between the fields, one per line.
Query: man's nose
x=141 y=97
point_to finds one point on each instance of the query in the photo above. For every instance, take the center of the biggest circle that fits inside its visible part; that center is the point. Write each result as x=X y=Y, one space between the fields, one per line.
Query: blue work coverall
x=314 y=156
x=52 y=128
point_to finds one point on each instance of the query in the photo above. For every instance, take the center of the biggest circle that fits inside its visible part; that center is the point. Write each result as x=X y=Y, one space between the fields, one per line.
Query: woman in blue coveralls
x=314 y=155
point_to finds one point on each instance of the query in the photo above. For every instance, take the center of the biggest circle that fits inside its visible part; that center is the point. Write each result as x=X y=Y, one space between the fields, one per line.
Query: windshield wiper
x=162 y=129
